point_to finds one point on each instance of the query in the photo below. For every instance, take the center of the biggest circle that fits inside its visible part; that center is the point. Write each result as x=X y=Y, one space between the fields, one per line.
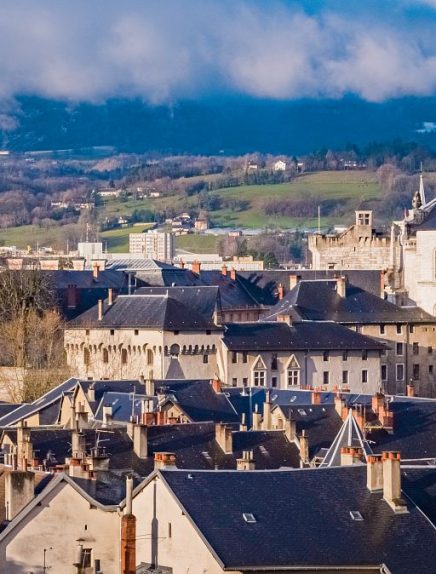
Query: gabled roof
x=319 y=301
x=303 y=521
x=304 y=335
x=124 y=405
x=62 y=279
x=149 y=311
x=198 y=400
x=51 y=400
x=262 y=285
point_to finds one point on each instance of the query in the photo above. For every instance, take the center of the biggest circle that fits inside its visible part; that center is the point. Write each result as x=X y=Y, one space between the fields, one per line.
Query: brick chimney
x=19 y=491
x=78 y=444
x=72 y=296
x=140 y=440
x=280 y=292
x=95 y=270
x=339 y=404
x=246 y=462
x=293 y=281
x=304 y=448
x=128 y=533
x=243 y=424
x=110 y=296
x=100 y=310
x=224 y=270
x=107 y=416
x=150 y=388
x=377 y=401
x=290 y=429
x=90 y=393
x=386 y=418
x=182 y=264
x=359 y=417
x=256 y=418
x=24 y=446
x=216 y=385
x=224 y=437
x=196 y=267
x=164 y=461
x=267 y=420
x=374 y=472
x=233 y=274
x=411 y=389
x=316 y=397
x=341 y=286
x=351 y=455
x=392 y=481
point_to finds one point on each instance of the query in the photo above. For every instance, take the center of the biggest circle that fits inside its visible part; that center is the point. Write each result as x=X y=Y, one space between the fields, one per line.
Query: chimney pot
x=224 y=270
x=224 y=437
x=216 y=385
x=293 y=281
x=392 y=481
x=316 y=397
x=164 y=460
x=280 y=292
x=110 y=297
x=100 y=309
x=233 y=274
x=341 y=286
x=196 y=267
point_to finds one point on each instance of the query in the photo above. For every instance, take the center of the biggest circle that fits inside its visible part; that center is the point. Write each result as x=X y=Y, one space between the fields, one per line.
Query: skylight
x=249 y=518
x=302 y=412
x=355 y=515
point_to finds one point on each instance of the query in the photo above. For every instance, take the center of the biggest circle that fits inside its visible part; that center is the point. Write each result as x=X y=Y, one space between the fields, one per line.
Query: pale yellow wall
x=155 y=508
x=58 y=523
x=419 y=270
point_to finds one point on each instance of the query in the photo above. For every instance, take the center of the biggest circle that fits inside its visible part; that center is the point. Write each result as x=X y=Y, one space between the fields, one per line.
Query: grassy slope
x=354 y=187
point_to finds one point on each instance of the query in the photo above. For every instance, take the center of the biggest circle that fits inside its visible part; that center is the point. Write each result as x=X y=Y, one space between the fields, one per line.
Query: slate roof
x=304 y=520
x=61 y=279
x=121 y=404
x=420 y=485
x=414 y=430
x=149 y=311
x=137 y=264
x=198 y=400
x=319 y=301
x=262 y=285
x=305 y=335
x=49 y=402
x=320 y=422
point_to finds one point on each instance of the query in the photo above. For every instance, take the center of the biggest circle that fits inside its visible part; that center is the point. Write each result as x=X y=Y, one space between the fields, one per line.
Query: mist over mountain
x=230 y=125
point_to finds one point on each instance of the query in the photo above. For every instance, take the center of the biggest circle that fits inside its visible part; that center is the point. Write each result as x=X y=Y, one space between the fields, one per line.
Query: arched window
x=124 y=356
x=105 y=356
x=86 y=357
x=149 y=357
x=175 y=350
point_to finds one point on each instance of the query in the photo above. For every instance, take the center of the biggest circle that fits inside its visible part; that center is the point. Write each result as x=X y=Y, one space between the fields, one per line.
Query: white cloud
x=170 y=49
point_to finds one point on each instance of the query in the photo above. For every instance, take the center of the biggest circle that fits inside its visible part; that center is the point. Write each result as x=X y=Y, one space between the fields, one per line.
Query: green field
x=352 y=186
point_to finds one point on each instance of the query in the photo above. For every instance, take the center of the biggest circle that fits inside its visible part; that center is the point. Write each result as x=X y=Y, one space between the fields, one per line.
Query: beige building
x=154 y=244
x=358 y=247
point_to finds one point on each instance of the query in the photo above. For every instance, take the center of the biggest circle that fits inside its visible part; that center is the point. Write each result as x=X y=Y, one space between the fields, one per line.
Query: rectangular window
x=415 y=349
x=364 y=355
x=345 y=355
x=325 y=377
x=345 y=377
x=205 y=359
x=234 y=382
x=325 y=356
x=411 y=328
x=274 y=362
x=274 y=381
x=259 y=378
x=382 y=329
x=234 y=357
x=86 y=558
x=415 y=372
x=364 y=376
x=293 y=377
x=430 y=369
x=245 y=357
x=245 y=381
x=176 y=332
x=384 y=372
x=399 y=349
x=400 y=372
x=430 y=350
x=358 y=328
x=399 y=329
x=87 y=332
x=112 y=331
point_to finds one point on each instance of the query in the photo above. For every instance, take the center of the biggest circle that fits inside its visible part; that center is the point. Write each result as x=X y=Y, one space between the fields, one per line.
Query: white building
x=153 y=245
x=280 y=165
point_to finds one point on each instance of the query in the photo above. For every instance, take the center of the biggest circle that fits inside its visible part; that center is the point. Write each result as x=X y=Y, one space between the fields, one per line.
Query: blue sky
x=168 y=50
